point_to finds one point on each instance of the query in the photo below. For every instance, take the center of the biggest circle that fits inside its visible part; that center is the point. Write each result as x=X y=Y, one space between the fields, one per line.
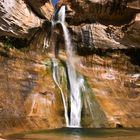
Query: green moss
x=11 y=42
x=47 y=64
x=86 y=120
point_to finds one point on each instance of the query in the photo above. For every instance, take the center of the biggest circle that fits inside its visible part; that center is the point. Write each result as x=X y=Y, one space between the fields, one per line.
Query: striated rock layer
x=43 y=8
x=114 y=78
x=114 y=12
x=93 y=36
x=18 y=19
x=106 y=35
x=28 y=97
x=104 y=24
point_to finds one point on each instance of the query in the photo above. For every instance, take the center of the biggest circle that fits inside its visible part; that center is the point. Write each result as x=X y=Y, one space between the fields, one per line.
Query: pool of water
x=79 y=134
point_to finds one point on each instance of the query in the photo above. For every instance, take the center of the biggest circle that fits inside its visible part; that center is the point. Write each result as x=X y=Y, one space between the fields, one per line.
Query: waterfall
x=75 y=91
x=57 y=79
x=77 y=97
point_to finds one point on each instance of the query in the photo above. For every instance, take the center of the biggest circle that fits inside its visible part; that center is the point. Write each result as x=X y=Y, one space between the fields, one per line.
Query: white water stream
x=75 y=93
x=56 y=79
x=75 y=89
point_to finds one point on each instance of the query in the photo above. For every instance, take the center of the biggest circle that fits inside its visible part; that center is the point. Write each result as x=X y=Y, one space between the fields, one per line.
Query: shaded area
x=11 y=42
x=133 y=54
x=107 y=12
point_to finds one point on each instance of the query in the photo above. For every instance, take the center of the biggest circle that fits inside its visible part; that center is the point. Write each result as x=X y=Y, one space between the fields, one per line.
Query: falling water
x=56 y=76
x=75 y=94
x=75 y=97
x=57 y=82
x=81 y=99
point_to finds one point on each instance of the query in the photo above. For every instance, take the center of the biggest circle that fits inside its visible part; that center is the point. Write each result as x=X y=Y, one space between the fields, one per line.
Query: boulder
x=17 y=19
x=134 y=4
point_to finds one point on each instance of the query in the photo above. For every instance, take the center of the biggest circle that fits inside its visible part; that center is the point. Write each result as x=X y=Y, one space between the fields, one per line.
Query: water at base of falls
x=79 y=134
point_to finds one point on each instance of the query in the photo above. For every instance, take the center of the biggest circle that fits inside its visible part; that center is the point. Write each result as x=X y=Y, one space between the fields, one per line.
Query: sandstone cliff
x=19 y=20
x=28 y=97
x=104 y=24
x=106 y=35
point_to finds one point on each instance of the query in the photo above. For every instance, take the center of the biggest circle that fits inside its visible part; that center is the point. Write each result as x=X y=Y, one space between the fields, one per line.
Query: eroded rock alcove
x=106 y=36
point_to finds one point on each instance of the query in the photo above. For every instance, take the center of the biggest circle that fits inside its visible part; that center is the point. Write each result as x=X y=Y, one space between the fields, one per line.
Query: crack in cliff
x=34 y=10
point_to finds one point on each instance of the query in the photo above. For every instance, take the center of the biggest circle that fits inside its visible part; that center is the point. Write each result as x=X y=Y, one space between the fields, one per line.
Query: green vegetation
x=47 y=63
x=11 y=42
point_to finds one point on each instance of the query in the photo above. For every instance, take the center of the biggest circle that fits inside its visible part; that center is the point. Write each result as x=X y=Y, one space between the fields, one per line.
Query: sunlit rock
x=17 y=19
x=42 y=8
x=29 y=99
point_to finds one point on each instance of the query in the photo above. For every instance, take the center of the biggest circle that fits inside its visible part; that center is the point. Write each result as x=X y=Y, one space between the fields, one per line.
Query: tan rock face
x=134 y=4
x=16 y=19
x=114 y=80
x=93 y=36
x=22 y=19
x=43 y=8
x=104 y=11
x=88 y=37
x=28 y=97
x=131 y=36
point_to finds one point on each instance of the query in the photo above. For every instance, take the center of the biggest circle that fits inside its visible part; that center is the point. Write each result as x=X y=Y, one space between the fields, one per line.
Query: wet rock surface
x=106 y=35
x=115 y=83
x=28 y=98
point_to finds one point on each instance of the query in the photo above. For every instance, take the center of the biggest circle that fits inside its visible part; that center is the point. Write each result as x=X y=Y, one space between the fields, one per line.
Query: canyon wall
x=106 y=36
x=18 y=18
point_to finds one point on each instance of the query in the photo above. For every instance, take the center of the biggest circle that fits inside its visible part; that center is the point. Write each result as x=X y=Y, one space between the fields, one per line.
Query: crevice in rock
x=33 y=10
